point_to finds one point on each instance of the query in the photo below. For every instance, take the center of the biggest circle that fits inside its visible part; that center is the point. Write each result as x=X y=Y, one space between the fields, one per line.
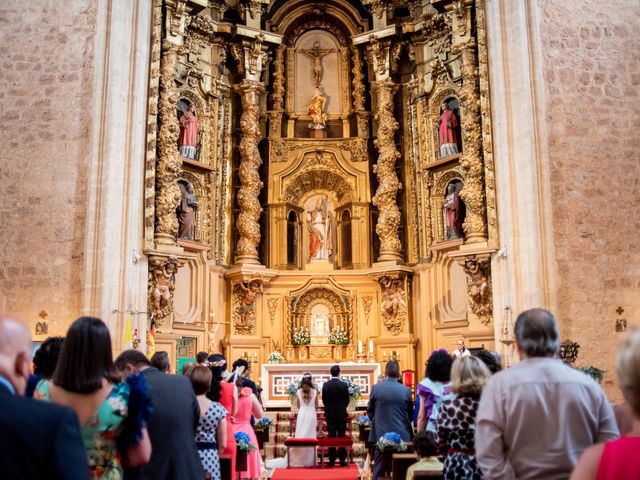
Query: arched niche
x=345 y=249
x=320 y=299
x=436 y=102
x=327 y=47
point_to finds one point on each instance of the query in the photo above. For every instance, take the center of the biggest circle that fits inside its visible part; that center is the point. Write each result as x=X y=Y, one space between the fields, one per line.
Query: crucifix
x=317 y=54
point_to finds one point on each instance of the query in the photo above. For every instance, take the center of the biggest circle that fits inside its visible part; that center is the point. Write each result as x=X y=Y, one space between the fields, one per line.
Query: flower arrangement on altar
x=263 y=424
x=363 y=421
x=391 y=441
x=276 y=357
x=243 y=442
x=354 y=392
x=301 y=336
x=338 y=336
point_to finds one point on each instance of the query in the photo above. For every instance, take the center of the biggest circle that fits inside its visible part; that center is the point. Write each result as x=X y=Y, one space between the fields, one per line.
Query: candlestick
x=359 y=346
x=370 y=346
x=384 y=356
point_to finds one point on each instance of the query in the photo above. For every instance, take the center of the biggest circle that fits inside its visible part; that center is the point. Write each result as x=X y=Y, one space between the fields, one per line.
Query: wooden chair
x=400 y=463
x=427 y=476
x=225 y=467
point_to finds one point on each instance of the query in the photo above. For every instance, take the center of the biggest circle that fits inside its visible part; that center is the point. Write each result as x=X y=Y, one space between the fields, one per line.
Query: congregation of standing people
x=95 y=417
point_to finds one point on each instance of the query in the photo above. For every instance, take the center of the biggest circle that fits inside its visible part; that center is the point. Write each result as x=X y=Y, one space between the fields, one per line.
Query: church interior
x=351 y=181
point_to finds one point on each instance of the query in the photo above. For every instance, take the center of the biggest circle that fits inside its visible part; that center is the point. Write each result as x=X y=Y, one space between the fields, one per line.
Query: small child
x=426 y=452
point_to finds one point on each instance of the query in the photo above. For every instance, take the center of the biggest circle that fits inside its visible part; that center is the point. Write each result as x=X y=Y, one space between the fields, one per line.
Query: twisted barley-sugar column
x=169 y=163
x=388 y=184
x=250 y=183
x=471 y=159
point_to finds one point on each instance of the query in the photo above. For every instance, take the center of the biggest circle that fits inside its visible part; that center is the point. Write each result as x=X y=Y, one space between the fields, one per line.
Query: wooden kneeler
x=300 y=442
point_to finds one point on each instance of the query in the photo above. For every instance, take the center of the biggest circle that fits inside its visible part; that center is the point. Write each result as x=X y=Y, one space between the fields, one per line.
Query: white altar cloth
x=276 y=377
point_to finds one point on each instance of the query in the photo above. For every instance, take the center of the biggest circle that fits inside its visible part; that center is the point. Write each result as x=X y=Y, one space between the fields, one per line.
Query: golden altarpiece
x=320 y=166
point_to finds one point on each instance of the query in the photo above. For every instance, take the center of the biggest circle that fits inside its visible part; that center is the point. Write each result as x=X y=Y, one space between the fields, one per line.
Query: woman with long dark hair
x=226 y=394
x=112 y=414
x=433 y=390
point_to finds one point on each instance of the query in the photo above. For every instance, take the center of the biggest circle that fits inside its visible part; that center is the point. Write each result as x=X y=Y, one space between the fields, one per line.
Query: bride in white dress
x=306 y=422
x=306 y=426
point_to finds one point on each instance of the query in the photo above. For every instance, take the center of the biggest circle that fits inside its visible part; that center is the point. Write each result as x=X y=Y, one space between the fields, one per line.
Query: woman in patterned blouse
x=456 y=423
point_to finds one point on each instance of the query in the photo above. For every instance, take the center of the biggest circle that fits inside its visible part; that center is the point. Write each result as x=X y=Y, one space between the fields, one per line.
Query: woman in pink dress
x=226 y=394
x=618 y=459
x=248 y=405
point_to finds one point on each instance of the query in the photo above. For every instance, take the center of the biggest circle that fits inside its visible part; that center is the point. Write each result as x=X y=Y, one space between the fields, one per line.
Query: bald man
x=37 y=439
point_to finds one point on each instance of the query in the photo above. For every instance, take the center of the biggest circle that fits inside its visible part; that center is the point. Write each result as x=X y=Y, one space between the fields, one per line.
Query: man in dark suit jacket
x=390 y=410
x=172 y=426
x=335 y=397
x=37 y=439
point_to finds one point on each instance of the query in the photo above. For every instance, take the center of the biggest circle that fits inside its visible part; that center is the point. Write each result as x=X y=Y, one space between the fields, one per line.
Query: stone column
x=250 y=183
x=475 y=228
x=169 y=163
x=385 y=170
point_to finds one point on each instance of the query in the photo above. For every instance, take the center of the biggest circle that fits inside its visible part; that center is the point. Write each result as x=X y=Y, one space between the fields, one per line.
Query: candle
x=370 y=346
x=359 y=346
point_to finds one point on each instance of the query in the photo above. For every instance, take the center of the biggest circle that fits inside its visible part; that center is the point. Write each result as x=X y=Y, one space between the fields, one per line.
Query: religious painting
x=320 y=226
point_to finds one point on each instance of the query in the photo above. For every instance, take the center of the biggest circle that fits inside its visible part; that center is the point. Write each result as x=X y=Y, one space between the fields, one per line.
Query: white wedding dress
x=306 y=427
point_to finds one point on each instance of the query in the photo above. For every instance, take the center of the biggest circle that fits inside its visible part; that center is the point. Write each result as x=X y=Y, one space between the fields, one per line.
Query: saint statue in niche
x=319 y=327
x=447 y=138
x=453 y=211
x=316 y=110
x=188 y=138
x=187 y=212
x=319 y=223
x=317 y=54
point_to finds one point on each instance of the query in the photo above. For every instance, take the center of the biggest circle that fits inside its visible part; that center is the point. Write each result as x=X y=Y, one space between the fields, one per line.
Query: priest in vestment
x=447 y=123
x=188 y=139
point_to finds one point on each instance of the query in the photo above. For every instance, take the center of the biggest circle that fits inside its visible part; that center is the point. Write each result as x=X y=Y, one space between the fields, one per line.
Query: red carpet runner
x=335 y=473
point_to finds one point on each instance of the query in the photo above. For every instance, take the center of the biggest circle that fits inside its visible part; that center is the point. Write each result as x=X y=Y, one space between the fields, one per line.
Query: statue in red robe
x=188 y=139
x=448 y=140
x=453 y=213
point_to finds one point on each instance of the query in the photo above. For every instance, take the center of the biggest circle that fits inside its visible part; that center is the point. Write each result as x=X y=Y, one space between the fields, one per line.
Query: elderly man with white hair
x=37 y=439
x=536 y=418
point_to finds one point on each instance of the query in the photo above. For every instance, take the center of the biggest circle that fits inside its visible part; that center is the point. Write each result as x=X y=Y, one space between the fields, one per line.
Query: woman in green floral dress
x=112 y=414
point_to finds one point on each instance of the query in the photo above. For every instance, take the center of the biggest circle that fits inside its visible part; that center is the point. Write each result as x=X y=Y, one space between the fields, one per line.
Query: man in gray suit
x=390 y=410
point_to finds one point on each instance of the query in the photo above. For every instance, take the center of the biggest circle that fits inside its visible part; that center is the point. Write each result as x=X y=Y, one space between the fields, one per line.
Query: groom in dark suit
x=37 y=439
x=390 y=410
x=335 y=397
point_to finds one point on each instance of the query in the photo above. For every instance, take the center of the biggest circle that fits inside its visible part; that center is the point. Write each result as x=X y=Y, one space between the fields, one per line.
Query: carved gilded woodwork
x=152 y=125
x=161 y=287
x=394 y=304
x=485 y=107
x=479 y=292
x=169 y=163
x=385 y=170
x=278 y=79
x=250 y=183
x=245 y=296
x=272 y=304
x=366 y=300
x=358 y=82
x=471 y=158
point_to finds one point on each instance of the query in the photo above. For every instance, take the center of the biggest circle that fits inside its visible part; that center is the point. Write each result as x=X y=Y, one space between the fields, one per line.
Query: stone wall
x=46 y=85
x=591 y=67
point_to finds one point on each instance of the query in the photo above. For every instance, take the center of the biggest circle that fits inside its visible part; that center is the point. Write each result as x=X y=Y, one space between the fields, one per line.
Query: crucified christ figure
x=316 y=53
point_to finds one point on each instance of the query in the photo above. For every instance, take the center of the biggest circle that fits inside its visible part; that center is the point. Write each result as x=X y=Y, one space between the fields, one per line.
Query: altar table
x=276 y=377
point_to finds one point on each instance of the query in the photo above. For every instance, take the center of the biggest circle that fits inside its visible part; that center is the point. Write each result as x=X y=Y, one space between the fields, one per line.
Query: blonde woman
x=456 y=423
x=619 y=458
